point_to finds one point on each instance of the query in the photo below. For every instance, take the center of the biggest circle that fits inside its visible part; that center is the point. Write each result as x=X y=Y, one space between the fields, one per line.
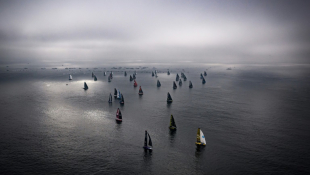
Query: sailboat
x=168 y=73
x=205 y=73
x=104 y=73
x=180 y=82
x=70 y=77
x=135 y=84
x=190 y=84
x=118 y=115
x=174 y=85
x=177 y=78
x=200 y=138
x=134 y=76
x=152 y=74
x=122 y=99
x=85 y=86
x=147 y=146
x=140 y=91
x=169 y=99
x=135 y=73
x=115 y=92
x=109 y=79
x=201 y=76
x=172 y=126
x=158 y=83
x=185 y=78
x=95 y=78
x=125 y=73
x=156 y=75
x=130 y=78
x=203 y=80
x=110 y=98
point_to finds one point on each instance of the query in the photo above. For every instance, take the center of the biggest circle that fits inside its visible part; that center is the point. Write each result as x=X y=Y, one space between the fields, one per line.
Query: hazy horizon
x=238 y=32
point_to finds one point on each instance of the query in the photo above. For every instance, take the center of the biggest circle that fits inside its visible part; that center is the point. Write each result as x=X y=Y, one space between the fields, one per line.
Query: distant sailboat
x=119 y=117
x=110 y=98
x=158 y=83
x=177 y=77
x=125 y=73
x=190 y=84
x=109 y=79
x=130 y=78
x=135 y=84
x=180 y=82
x=70 y=77
x=85 y=86
x=172 y=126
x=115 y=92
x=140 y=91
x=147 y=146
x=153 y=74
x=185 y=78
x=205 y=73
x=201 y=76
x=200 y=138
x=174 y=85
x=203 y=80
x=169 y=99
x=156 y=75
x=134 y=76
x=104 y=73
x=122 y=99
x=168 y=73
x=95 y=78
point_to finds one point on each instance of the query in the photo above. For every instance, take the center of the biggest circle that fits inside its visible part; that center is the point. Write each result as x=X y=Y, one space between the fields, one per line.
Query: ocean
x=255 y=118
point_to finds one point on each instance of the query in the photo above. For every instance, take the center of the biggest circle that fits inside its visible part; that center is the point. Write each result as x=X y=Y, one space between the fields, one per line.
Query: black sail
x=145 y=139
x=150 y=141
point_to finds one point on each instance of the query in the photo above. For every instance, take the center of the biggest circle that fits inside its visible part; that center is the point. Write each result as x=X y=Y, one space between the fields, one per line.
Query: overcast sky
x=155 y=31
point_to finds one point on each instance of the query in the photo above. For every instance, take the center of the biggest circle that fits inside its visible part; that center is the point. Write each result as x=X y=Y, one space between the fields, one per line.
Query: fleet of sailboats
x=201 y=141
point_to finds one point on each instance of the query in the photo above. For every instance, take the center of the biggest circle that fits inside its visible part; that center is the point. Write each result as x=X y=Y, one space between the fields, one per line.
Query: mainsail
x=70 y=77
x=140 y=91
x=174 y=85
x=115 y=92
x=169 y=99
x=85 y=86
x=110 y=98
x=172 y=123
x=158 y=83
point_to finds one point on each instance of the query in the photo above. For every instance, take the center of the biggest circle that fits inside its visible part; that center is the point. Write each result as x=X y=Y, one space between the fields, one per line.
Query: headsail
x=202 y=138
x=150 y=141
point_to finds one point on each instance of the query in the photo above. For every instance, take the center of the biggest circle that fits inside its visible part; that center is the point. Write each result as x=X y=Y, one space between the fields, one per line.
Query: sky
x=222 y=31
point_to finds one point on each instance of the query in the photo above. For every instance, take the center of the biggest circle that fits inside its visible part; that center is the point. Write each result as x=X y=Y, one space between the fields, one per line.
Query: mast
x=145 y=139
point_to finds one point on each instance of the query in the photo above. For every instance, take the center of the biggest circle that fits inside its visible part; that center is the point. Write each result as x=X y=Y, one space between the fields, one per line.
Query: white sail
x=202 y=137
x=70 y=77
x=118 y=94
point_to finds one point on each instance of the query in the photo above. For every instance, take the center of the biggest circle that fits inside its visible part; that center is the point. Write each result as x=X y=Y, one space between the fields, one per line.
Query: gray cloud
x=205 y=31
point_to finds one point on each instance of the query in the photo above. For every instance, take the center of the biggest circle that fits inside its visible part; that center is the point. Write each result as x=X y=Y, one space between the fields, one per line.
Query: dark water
x=255 y=120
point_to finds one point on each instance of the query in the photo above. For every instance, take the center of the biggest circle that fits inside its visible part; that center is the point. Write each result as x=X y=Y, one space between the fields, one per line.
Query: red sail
x=135 y=84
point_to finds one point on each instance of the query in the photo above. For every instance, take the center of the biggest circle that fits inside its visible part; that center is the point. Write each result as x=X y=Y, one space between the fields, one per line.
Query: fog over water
x=155 y=31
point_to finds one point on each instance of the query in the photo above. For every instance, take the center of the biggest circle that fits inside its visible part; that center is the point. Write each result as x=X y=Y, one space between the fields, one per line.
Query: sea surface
x=255 y=118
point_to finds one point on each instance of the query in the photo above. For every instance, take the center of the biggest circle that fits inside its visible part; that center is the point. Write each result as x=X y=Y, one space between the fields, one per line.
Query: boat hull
x=140 y=93
x=200 y=144
x=119 y=120
x=172 y=128
x=147 y=148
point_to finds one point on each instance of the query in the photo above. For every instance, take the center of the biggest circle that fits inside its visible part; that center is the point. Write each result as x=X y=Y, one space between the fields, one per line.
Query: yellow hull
x=200 y=144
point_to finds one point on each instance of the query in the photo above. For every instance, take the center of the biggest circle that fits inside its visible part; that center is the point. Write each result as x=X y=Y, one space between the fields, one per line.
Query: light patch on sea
x=97 y=115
